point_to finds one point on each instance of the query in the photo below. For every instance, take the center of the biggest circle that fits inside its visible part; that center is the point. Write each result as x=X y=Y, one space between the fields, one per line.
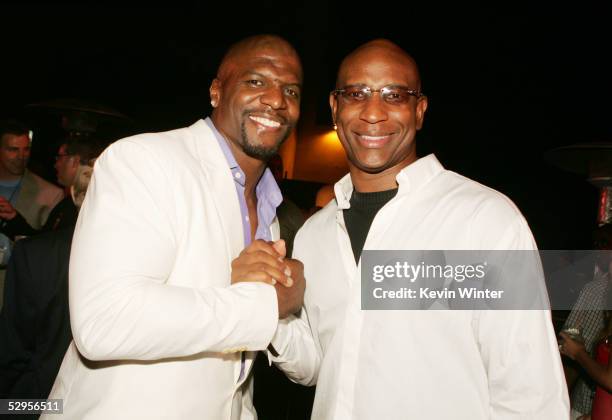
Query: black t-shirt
x=358 y=218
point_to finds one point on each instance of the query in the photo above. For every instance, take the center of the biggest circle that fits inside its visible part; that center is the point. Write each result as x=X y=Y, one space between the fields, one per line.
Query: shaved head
x=273 y=44
x=375 y=50
x=256 y=96
x=378 y=121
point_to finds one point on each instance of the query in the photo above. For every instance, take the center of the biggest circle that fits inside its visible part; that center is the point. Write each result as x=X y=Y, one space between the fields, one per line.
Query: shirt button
x=247 y=218
x=237 y=175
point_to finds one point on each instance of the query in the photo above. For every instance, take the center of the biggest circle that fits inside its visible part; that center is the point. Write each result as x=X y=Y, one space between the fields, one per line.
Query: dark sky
x=505 y=83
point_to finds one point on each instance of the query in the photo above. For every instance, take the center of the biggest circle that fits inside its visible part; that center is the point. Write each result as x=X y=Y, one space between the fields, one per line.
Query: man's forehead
x=15 y=140
x=378 y=65
x=286 y=64
x=264 y=64
x=378 y=74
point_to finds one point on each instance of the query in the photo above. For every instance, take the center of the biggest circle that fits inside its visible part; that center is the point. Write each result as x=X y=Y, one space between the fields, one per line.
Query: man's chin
x=371 y=165
x=263 y=148
x=370 y=169
x=260 y=152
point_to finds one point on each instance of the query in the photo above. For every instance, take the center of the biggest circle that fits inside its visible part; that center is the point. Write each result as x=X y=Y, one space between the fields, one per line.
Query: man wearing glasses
x=421 y=363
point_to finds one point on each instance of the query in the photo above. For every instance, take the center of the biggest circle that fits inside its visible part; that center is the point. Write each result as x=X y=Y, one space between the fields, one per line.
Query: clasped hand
x=265 y=262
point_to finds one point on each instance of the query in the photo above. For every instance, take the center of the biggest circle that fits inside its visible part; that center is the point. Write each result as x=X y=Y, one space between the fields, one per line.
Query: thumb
x=279 y=246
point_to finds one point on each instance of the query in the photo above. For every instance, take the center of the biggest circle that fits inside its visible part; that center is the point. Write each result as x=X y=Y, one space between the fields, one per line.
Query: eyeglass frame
x=369 y=91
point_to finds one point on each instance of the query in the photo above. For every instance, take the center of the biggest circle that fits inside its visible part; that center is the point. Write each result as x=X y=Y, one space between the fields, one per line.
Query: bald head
x=381 y=50
x=256 y=97
x=377 y=109
x=265 y=46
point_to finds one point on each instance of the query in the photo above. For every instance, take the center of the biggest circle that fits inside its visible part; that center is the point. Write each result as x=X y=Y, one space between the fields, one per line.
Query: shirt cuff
x=280 y=340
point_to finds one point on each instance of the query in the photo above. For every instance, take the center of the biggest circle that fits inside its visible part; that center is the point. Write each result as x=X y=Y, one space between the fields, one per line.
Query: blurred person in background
x=26 y=199
x=34 y=322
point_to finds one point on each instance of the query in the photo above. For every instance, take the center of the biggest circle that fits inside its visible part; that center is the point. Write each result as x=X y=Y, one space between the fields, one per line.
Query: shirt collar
x=411 y=178
x=267 y=189
x=227 y=152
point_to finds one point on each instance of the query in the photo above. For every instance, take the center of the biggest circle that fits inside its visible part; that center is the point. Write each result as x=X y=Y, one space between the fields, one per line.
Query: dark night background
x=505 y=83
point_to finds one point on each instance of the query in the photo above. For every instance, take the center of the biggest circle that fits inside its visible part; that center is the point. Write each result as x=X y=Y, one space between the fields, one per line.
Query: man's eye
x=292 y=92
x=254 y=83
x=394 y=97
x=355 y=94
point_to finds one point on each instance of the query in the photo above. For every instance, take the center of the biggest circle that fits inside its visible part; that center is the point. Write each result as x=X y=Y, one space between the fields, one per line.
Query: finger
x=294 y=272
x=278 y=275
x=261 y=261
x=280 y=247
x=281 y=273
x=257 y=257
x=260 y=245
x=286 y=280
x=259 y=276
x=294 y=262
x=295 y=266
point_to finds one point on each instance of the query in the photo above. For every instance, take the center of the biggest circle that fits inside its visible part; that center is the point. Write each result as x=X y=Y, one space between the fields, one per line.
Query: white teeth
x=373 y=138
x=265 y=121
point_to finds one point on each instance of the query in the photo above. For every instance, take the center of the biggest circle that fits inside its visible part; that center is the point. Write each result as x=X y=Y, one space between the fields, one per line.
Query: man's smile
x=265 y=122
x=372 y=141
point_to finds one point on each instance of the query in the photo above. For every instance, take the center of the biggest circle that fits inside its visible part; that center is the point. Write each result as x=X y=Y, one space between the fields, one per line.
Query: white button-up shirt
x=429 y=364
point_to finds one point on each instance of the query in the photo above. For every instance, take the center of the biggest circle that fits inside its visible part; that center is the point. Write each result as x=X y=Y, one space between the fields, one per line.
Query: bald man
x=168 y=303
x=409 y=364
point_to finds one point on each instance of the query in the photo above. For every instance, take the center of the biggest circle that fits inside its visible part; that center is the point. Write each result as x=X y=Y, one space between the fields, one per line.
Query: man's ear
x=215 y=92
x=420 y=112
x=333 y=104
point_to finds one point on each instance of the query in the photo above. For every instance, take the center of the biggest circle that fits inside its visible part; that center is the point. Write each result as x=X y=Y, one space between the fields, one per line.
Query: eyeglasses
x=392 y=94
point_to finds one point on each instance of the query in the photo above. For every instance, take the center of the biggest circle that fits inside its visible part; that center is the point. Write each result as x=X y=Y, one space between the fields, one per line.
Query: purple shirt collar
x=269 y=196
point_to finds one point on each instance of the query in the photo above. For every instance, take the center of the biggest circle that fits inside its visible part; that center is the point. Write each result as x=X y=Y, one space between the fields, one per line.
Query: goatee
x=257 y=151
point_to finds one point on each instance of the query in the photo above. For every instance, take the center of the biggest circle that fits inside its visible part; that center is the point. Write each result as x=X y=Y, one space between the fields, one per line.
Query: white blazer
x=158 y=329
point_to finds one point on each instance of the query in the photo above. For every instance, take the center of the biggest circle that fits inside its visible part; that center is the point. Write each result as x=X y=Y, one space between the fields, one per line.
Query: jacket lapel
x=27 y=191
x=219 y=177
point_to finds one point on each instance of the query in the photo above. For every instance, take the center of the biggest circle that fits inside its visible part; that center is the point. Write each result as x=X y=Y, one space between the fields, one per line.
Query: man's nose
x=274 y=98
x=374 y=110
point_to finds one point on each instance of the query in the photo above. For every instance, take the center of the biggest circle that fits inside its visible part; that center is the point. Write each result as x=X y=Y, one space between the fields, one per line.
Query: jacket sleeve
x=297 y=350
x=123 y=253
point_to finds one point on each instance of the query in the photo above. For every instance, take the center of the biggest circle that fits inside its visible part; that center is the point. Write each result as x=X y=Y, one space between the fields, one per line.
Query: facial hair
x=257 y=151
